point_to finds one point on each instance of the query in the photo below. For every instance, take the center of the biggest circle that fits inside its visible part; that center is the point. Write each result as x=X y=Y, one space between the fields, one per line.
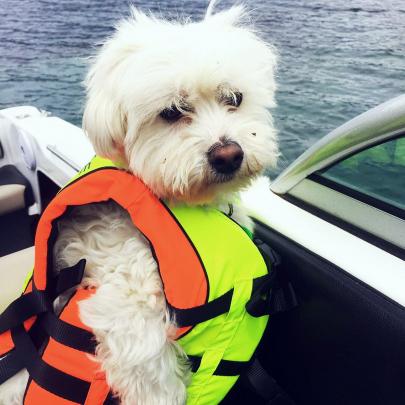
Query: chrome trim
x=53 y=149
x=382 y=122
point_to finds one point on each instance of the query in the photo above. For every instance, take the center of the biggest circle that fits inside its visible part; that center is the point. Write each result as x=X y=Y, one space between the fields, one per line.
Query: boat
x=335 y=217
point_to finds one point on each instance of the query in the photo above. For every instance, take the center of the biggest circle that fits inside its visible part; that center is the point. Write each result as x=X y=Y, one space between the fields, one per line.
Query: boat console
x=38 y=155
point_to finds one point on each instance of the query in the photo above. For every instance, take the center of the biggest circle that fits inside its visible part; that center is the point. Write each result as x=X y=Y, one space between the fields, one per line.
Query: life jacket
x=215 y=282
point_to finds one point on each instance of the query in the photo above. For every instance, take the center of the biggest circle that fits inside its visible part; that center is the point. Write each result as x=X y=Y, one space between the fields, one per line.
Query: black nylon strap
x=10 y=364
x=257 y=378
x=271 y=294
x=67 y=334
x=37 y=303
x=202 y=313
x=46 y=376
x=265 y=300
x=69 y=277
x=224 y=368
x=231 y=368
x=263 y=384
x=195 y=362
x=24 y=308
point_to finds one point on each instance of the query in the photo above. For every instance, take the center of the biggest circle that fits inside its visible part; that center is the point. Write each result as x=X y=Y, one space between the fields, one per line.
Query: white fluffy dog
x=184 y=106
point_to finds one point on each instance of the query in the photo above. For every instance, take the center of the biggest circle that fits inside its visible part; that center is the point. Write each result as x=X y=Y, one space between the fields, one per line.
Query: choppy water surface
x=338 y=58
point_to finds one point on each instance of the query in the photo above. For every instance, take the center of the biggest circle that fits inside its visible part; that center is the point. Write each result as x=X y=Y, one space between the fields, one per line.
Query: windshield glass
x=378 y=172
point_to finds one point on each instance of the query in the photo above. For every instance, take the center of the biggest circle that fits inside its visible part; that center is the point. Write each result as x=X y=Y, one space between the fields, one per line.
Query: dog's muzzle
x=225 y=158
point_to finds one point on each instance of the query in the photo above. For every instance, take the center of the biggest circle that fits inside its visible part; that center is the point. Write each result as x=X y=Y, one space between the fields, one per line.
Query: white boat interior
x=39 y=153
x=341 y=247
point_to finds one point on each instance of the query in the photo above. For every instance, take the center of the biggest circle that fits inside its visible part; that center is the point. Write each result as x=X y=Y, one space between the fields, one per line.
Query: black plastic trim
x=260 y=230
x=341 y=345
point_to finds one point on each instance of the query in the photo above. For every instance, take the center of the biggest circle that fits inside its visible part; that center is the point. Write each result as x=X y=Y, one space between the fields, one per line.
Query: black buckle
x=271 y=258
x=271 y=293
x=262 y=292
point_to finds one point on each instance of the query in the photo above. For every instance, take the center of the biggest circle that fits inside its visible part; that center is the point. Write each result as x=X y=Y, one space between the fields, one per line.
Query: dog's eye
x=171 y=114
x=234 y=99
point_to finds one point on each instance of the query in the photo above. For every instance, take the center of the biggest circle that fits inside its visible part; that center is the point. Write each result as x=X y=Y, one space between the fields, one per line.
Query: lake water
x=338 y=58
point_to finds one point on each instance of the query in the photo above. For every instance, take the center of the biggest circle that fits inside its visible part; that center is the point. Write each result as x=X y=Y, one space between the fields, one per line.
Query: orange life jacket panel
x=66 y=372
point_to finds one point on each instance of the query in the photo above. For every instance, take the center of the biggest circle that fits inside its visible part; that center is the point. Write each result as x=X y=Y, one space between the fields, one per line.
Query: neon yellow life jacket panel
x=232 y=261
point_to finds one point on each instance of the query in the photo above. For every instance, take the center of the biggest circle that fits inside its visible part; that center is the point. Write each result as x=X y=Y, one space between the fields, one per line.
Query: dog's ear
x=104 y=122
x=104 y=118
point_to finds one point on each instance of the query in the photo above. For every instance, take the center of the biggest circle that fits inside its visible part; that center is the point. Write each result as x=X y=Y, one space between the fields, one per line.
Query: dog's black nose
x=225 y=158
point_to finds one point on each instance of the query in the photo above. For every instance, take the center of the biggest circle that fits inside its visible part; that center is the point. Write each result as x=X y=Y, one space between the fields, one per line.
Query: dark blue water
x=338 y=58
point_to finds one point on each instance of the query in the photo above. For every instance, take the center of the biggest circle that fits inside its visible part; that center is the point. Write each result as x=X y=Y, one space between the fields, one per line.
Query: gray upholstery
x=11 y=198
x=13 y=271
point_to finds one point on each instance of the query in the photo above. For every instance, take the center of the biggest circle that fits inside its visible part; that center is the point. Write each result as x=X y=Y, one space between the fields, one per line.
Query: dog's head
x=185 y=105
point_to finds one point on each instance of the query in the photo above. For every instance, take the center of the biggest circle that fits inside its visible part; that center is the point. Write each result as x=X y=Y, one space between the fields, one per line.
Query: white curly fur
x=150 y=64
x=128 y=312
x=146 y=66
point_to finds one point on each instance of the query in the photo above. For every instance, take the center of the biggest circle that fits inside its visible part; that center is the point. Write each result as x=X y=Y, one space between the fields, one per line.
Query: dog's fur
x=149 y=65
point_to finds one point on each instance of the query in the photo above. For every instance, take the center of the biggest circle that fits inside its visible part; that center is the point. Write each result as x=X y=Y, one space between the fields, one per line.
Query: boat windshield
x=378 y=172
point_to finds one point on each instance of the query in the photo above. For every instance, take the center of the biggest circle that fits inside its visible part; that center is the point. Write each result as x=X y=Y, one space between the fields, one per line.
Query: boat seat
x=16 y=225
x=15 y=190
x=13 y=271
x=11 y=198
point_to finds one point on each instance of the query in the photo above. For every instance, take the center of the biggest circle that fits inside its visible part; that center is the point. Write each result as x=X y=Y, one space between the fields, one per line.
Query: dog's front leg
x=129 y=317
